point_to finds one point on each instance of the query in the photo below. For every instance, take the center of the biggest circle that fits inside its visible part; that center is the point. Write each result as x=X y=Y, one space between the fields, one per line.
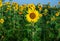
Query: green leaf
x=25 y=39
x=51 y=35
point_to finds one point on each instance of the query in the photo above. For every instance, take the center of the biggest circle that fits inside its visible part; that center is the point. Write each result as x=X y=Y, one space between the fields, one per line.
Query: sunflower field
x=29 y=22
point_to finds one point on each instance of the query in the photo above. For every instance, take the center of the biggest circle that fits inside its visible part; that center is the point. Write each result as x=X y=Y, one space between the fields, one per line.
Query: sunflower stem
x=33 y=31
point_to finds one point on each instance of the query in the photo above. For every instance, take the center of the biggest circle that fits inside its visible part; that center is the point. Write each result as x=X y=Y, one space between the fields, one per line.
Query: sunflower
x=21 y=8
x=32 y=6
x=7 y=3
x=0 y=3
x=58 y=2
x=15 y=7
x=14 y=3
x=2 y=21
x=32 y=15
x=39 y=6
x=57 y=14
x=24 y=5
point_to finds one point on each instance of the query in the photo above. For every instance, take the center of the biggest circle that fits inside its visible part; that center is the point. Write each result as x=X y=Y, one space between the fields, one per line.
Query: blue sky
x=53 y=2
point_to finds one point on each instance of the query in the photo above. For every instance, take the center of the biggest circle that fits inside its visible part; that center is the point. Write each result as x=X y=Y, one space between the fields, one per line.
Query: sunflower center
x=32 y=15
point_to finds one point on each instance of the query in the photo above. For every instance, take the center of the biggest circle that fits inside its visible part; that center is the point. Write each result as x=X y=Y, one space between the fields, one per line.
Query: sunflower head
x=15 y=7
x=24 y=5
x=58 y=2
x=21 y=8
x=2 y=21
x=40 y=7
x=0 y=3
x=7 y=3
x=32 y=6
x=32 y=16
x=57 y=14
x=14 y=3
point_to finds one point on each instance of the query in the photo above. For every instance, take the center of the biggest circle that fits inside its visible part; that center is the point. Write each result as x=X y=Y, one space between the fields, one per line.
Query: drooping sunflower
x=32 y=15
